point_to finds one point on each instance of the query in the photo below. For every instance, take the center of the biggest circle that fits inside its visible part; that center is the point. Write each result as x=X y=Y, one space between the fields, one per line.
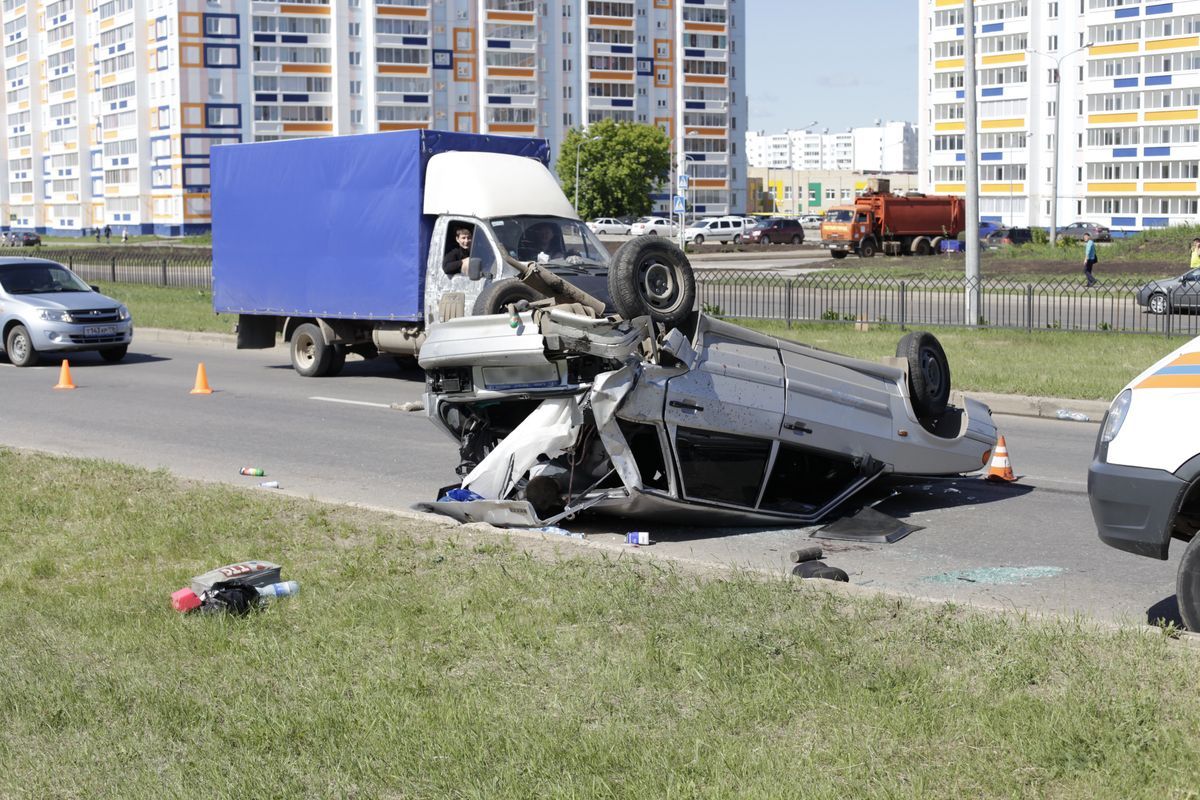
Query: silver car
x=46 y=308
x=555 y=411
x=1178 y=294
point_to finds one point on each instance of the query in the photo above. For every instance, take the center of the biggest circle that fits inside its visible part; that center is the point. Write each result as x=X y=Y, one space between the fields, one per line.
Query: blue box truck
x=349 y=244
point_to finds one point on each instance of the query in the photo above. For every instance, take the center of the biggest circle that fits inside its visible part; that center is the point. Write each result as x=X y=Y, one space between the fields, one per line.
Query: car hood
x=67 y=301
x=1164 y=285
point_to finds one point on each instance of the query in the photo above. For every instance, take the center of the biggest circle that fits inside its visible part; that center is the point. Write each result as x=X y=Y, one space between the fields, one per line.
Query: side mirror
x=474 y=268
x=95 y=288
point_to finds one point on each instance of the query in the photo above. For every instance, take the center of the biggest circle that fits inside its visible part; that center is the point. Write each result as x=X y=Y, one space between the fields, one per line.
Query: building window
x=355 y=87
x=356 y=116
x=355 y=58
x=355 y=29
x=214 y=87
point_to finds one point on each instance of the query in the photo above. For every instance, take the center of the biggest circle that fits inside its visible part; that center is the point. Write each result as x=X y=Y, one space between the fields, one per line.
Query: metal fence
x=1054 y=304
x=1051 y=304
x=158 y=266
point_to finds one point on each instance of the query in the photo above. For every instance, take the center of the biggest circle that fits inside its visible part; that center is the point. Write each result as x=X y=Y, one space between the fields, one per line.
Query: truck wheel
x=1187 y=585
x=866 y=248
x=936 y=244
x=920 y=247
x=652 y=276
x=839 y=254
x=928 y=373
x=496 y=298
x=337 y=360
x=20 y=348
x=311 y=357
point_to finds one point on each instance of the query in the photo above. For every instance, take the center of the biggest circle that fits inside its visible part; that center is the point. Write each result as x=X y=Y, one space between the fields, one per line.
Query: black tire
x=652 y=232
x=337 y=360
x=114 y=354
x=652 y=276
x=19 y=347
x=1157 y=303
x=737 y=238
x=921 y=247
x=797 y=239
x=496 y=298
x=765 y=240
x=699 y=240
x=838 y=254
x=311 y=357
x=928 y=373
x=866 y=248
x=1187 y=585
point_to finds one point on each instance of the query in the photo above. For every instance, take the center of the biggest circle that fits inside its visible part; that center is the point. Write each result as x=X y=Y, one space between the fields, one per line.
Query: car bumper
x=66 y=337
x=1134 y=507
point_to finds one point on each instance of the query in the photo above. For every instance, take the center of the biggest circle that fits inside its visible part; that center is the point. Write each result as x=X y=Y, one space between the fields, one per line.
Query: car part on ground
x=694 y=421
x=1144 y=480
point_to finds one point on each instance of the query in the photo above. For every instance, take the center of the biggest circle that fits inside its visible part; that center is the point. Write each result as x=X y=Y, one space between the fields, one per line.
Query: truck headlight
x=123 y=312
x=55 y=316
x=1117 y=413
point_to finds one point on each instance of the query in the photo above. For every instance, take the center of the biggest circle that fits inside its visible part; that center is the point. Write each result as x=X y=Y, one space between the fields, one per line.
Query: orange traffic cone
x=64 y=377
x=1000 y=469
x=201 y=386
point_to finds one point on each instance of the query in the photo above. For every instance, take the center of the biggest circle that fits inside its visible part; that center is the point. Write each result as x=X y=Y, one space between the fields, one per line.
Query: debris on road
x=1077 y=416
x=820 y=570
x=1001 y=576
x=234 y=588
x=411 y=405
x=868 y=525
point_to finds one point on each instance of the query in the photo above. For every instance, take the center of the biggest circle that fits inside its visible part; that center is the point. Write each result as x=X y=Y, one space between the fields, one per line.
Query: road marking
x=351 y=402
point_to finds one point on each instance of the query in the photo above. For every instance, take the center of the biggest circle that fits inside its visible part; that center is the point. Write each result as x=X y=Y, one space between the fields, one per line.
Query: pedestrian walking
x=108 y=233
x=1195 y=262
x=97 y=235
x=124 y=236
x=1089 y=258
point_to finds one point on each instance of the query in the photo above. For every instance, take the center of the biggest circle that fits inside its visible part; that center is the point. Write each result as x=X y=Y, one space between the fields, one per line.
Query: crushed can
x=637 y=537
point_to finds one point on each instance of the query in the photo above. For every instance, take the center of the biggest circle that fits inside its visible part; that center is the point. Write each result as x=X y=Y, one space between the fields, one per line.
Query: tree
x=620 y=165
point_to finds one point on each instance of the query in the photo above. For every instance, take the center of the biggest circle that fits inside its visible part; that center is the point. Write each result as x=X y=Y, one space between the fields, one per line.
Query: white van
x=1144 y=481
x=720 y=229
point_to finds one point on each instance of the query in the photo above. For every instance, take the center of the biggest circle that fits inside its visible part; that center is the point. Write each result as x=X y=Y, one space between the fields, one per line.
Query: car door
x=723 y=414
x=1187 y=294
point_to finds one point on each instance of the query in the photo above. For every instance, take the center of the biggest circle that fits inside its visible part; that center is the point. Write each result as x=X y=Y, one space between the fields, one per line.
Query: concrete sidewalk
x=1014 y=404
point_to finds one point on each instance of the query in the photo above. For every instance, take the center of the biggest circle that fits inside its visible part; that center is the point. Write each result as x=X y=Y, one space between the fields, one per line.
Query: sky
x=842 y=63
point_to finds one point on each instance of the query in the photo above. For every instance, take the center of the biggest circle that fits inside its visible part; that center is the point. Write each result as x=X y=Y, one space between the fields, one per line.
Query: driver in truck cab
x=458 y=257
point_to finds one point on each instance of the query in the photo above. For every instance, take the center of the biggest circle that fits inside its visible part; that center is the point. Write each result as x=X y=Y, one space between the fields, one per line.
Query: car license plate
x=100 y=330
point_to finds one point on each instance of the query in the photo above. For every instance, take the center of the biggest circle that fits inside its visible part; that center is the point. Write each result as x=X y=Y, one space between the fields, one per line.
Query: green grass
x=170 y=307
x=1162 y=244
x=1082 y=366
x=421 y=662
x=200 y=239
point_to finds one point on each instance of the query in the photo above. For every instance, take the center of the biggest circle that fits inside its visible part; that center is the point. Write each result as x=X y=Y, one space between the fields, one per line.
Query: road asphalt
x=1014 y=404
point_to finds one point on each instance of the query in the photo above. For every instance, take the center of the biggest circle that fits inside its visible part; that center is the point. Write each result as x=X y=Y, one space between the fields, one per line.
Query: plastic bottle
x=254 y=472
x=281 y=589
x=269 y=484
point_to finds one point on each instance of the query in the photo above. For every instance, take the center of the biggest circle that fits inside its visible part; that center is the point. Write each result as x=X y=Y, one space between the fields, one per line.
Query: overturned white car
x=688 y=420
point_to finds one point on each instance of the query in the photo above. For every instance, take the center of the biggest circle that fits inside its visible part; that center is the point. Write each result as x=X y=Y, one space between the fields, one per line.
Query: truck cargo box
x=932 y=215
x=331 y=227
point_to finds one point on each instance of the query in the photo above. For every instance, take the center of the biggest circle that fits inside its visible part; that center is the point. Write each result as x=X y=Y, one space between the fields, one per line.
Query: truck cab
x=844 y=229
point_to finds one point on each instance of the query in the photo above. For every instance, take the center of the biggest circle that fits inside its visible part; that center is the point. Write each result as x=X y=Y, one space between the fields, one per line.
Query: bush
x=1040 y=235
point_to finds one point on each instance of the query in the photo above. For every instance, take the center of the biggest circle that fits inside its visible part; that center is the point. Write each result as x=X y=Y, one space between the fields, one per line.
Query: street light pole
x=578 y=148
x=1057 y=128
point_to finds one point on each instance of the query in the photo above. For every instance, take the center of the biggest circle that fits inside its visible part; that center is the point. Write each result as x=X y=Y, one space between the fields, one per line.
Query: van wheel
x=866 y=248
x=699 y=240
x=1158 y=303
x=311 y=357
x=928 y=373
x=496 y=299
x=20 y=348
x=737 y=238
x=1187 y=585
x=652 y=276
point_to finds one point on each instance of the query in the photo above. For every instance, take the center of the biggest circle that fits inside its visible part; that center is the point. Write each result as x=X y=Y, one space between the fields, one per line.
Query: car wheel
x=652 y=233
x=1158 y=303
x=797 y=239
x=928 y=373
x=737 y=238
x=652 y=276
x=699 y=240
x=20 y=348
x=765 y=240
x=311 y=357
x=114 y=354
x=866 y=248
x=1187 y=585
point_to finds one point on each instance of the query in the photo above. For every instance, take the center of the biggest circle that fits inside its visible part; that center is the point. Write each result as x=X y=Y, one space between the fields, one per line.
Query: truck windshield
x=549 y=240
x=839 y=215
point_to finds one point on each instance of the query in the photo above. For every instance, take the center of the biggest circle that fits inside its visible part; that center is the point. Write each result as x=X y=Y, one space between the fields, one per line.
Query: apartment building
x=1108 y=88
x=884 y=147
x=112 y=107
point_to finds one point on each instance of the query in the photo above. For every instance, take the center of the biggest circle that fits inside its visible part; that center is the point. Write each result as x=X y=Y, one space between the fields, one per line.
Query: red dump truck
x=898 y=225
